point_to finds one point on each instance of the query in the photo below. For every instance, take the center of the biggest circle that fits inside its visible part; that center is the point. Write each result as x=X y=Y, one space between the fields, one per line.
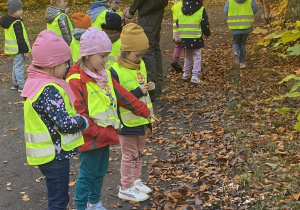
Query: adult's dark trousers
x=151 y=23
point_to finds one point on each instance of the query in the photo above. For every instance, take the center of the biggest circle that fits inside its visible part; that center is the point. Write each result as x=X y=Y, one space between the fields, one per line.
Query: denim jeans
x=92 y=169
x=18 y=70
x=57 y=181
x=239 y=46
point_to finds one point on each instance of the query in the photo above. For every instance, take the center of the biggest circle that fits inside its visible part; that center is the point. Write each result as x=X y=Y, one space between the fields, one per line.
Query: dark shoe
x=14 y=87
x=176 y=66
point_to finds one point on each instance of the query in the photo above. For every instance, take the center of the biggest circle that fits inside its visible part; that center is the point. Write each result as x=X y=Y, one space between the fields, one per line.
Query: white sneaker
x=236 y=61
x=185 y=76
x=97 y=206
x=195 y=80
x=242 y=65
x=141 y=187
x=132 y=194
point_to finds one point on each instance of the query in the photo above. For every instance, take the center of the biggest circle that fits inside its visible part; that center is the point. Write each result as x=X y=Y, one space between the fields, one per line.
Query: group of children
x=62 y=110
x=190 y=22
x=102 y=101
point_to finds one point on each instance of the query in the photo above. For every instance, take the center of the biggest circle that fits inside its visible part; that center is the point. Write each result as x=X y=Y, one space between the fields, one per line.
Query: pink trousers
x=132 y=147
x=192 y=60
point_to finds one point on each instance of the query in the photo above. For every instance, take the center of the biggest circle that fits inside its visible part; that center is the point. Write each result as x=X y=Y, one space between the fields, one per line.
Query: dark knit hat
x=14 y=5
x=113 y=22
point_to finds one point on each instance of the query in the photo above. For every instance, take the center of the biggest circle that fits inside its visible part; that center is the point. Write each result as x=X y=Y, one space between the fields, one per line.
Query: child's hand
x=151 y=86
x=151 y=116
x=127 y=14
x=144 y=88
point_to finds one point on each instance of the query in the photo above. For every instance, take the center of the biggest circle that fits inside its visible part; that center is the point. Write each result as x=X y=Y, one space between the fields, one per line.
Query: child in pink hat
x=52 y=127
x=97 y=97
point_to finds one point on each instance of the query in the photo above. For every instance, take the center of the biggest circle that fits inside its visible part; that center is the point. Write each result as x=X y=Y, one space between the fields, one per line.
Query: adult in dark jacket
x=150 y=18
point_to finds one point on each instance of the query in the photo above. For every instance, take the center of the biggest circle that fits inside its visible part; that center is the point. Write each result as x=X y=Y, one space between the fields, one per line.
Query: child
x=97 y=98
x=175 y=9
x=52 y=127
x=58 y=21
x=16 y=41
x=130 y=71
x=97 y=13
x=115 y=7
x=113 y=28
x=192 y=23
x=240 y=19
x=82 y=22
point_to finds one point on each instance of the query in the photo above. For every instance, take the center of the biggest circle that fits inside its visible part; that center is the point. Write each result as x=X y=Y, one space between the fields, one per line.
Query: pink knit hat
x=50 y=50
x=94 y=41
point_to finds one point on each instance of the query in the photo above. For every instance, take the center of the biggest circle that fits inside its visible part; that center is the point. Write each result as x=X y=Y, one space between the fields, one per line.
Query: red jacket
x=96 y=136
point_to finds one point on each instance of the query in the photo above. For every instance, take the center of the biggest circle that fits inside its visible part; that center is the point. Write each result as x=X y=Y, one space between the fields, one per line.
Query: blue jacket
x=241 y=31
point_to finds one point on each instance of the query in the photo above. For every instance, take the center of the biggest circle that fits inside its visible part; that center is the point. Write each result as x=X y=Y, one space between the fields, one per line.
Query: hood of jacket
x=52 y=13
x=93 y=13
x=240 y=1
x=189 y=7
x=6 y=20
x=77 y=32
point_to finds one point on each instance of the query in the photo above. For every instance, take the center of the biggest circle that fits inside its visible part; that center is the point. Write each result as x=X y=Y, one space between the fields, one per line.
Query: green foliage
x=29 y=4
x=293 y=93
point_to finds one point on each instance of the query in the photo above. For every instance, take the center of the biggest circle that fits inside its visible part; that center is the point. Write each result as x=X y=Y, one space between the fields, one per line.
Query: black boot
x=176 y=66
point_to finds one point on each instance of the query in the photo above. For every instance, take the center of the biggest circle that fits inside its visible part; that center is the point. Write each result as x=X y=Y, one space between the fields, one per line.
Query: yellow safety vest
x=189 y=26
x=39 y=146
x=100 y=20
x=75 y=50
x=116 y=48
x=130 y=80
x=240 y=15
x=176 y=9
x=102 y=102
x=11 y=44
x=54 y=26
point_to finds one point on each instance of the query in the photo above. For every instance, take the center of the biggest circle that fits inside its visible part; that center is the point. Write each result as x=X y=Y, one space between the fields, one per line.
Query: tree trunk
x=293 y=10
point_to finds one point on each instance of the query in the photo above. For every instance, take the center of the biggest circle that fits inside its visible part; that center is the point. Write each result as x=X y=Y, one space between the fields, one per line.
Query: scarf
x=126 y=63
x=101 y=77
x=38 y=78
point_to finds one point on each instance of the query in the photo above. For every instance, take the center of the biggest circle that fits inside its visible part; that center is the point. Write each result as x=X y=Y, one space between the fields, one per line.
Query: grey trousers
x=151 y=23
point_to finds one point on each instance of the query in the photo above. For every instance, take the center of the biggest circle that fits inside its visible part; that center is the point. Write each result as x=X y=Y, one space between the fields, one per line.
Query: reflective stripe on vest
x=240 y=15
x=39 y=146
x=189 y=26
x=54 y=26
x=75 y=50
x=130 y=80
x=100 y=20
x=102 y=103
x=116 y=49
x=11 y=44
x=176 y=9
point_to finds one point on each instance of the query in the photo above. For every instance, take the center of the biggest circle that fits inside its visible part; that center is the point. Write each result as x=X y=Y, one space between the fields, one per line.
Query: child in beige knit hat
x=130 y=71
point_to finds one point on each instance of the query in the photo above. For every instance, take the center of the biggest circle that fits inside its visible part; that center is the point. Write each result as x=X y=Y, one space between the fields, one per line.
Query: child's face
x=60 y=70
x=61 y=4
x=115 y=6
x=18 y=12
x=136 y=57
x=97 y=61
